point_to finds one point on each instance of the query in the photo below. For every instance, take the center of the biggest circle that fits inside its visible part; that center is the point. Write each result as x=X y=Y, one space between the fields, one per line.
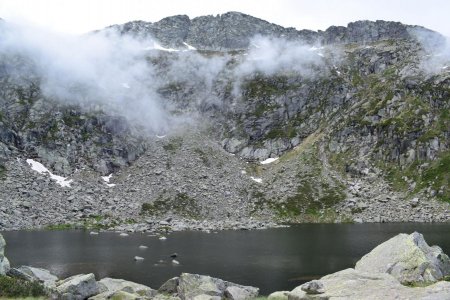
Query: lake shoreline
x=293 y=255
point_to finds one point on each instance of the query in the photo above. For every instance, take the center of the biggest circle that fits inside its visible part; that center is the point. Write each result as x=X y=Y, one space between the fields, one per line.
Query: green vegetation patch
x=60 y=227
x=181 y=203
x=310 y=199
x=173 y=145
x=432 y=174
x=2 y=172
x=203 y=156
x=17 y=288
x=261 y=86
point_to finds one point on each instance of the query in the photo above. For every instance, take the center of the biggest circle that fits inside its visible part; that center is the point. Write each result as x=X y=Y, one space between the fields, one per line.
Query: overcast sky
x=79 y=16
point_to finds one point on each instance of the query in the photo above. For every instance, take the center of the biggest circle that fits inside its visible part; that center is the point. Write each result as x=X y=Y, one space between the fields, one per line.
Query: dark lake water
x=273 y=259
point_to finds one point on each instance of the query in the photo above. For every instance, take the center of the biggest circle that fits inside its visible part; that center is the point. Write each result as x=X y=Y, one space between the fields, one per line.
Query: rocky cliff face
x=357 y=130
x=234 y=31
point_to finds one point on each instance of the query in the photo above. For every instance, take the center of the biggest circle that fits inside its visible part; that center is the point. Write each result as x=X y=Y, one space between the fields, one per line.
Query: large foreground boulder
x=385 y=272
x=78 y=287
x=408 y=258
x=4 y=263
x=193 y=286
x=350 y=284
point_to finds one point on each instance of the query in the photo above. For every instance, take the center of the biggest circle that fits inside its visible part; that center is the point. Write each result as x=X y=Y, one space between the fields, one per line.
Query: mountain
x=234 y=31
x=259 y=124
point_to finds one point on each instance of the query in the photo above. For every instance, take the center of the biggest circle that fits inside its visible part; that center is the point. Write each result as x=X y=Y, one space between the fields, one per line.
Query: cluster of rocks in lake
x=404 y=267
x=360 y=131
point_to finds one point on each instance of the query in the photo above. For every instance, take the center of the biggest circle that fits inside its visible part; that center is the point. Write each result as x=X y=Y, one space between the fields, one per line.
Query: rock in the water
x=77 y=287
x=193 y=285
x=408 y=258
x=4 y=263
x=350 y=284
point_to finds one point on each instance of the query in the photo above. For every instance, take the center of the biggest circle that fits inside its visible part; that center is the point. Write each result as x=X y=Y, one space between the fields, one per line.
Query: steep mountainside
x=264 y=124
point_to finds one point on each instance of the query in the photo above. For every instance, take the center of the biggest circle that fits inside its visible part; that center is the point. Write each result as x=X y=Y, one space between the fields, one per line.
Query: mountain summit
x=234 y=31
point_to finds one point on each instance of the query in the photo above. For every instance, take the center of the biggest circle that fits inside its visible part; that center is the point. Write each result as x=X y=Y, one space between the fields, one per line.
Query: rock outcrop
x=234 y=31
x=408 y=258
x=78 y=287
x=355 y=285
x=35 y=274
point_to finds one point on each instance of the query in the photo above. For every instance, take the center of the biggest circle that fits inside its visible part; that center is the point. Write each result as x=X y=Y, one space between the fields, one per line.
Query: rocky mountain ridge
x=354 y=132
x=234 y=31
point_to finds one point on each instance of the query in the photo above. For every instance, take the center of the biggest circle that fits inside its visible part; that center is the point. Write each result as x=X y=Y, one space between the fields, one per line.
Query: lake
x=271 y=259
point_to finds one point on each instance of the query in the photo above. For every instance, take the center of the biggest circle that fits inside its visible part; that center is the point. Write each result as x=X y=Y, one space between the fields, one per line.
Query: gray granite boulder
x=408 y=258
x=350 y=284
x=78 y=287
x=193 y=285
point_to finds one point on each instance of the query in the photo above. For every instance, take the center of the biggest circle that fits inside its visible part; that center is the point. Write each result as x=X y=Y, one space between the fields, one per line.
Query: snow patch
x=189 y=46
x=314 y=48
x=159 y=47
x=106 y=180
x=258 y=180
x=38 y=167
x=269 y=160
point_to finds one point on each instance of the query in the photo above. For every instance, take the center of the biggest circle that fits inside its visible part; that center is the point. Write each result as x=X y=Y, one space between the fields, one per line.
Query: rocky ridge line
x=234 y=31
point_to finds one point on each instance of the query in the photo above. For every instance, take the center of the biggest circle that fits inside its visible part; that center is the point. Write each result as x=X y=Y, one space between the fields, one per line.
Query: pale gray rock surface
x=80 y=286
x=35 y=274
x=111 y=285
x=170 y=286
x=280 y=295
x=355 y=285
x=194 y=285
x=408 y=258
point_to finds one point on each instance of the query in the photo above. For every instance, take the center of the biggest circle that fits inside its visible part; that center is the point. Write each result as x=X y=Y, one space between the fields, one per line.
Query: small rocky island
x=404 y=267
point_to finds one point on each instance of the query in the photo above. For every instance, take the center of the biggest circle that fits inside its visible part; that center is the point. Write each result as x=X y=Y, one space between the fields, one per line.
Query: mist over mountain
x=228 y=119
